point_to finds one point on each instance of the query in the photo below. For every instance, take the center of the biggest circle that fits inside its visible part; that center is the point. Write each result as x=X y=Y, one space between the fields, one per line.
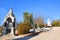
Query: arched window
x=9 y=20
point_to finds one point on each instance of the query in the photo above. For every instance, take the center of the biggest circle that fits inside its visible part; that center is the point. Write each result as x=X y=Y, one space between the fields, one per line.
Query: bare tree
x=39 y=21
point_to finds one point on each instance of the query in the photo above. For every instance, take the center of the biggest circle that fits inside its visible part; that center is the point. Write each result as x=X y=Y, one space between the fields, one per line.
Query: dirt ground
x=53 y=34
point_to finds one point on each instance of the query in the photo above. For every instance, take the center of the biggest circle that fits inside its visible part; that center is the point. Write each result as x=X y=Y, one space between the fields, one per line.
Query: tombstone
x=48 y=22
x=38 y=28
x=9 y=23
x=33 y=29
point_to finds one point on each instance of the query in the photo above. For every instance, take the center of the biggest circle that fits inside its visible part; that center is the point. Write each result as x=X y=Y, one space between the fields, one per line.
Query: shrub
x=56 y=23
x=23 y=28
x=0 y=29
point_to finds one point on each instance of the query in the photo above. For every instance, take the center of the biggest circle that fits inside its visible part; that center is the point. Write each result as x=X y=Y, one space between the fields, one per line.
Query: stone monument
x=9 y=23
x=48 y=22
x=38 y=28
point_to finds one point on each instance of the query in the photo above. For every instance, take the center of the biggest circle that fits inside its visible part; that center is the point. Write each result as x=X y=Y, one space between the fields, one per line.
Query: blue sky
x=45 y=8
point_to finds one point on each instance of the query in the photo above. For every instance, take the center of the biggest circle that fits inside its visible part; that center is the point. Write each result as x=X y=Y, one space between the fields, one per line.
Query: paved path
x=53 y=34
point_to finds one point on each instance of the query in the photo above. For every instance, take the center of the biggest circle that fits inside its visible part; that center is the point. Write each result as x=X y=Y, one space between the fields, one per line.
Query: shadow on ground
x=27 y=37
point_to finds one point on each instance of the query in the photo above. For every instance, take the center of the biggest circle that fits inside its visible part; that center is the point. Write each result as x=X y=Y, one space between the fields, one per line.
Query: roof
x=10 y=13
